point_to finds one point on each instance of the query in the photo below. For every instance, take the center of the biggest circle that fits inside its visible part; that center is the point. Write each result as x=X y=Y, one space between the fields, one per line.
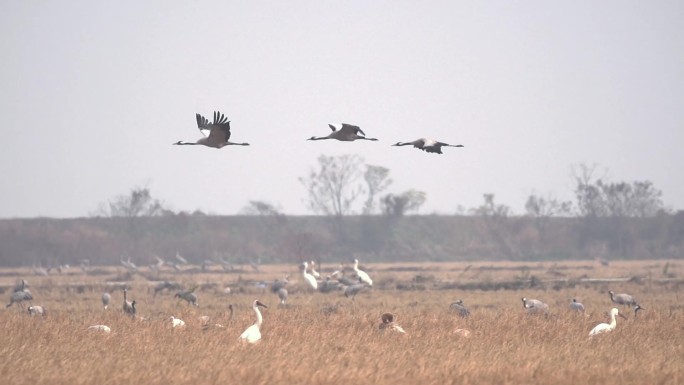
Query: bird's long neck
x=403 y=144
x=320 y=137
x=236 y=144
x=364 y=138
x=260 y=319
x=182 y=143
x=613 y=320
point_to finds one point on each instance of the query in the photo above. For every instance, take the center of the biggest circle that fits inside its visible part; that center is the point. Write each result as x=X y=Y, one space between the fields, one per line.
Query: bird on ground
x=128 y=306
x=344 y=132
x=21 y=285
x=100 y=328
x=20 y=296
x=534 y=306
x=176 y=322
x=353 y=290
x=36 y=310
x=387 y=323
x=363 y=276
x=280 y=284
x=603 y=328
x=622 y=299
x=219 y=133
x=308 y=278
x=313 y=270
x=282 y=294
x=427 y=145
x=460 y=308
x=253 y=333
x=576 y=306
x=106 y=298
x=189 y=296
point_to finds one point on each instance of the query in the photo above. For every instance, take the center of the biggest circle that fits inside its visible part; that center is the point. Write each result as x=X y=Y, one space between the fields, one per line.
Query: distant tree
x=377 y=180
x=260 y=208
x=138 y=203
x=333 y=187
x=543 y=208
x=494 y=217
x=398 y=205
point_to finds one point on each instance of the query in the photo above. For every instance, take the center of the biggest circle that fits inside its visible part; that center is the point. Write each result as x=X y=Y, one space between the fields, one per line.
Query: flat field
x=325 y=338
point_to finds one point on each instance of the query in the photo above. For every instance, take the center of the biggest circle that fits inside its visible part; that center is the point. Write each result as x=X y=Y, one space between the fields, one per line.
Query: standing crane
x=363 y=276
x=576 y=306
x=128 y=306
x=253 y=333
x=219 y=132
x=460 y=308
x=308 y=278
x=344 y=132
x=622 y=299
x=106 y=298
x=427 y=145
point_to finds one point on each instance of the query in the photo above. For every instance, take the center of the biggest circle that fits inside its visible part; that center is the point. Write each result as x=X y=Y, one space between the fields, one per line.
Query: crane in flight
x=218 y=132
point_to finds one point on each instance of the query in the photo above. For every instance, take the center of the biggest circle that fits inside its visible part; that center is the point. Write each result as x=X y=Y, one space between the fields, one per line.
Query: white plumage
x=176 y=322
x=363 y=276
x=603 y=328
x=308 y=278
x=253 y=333
x=100 y=328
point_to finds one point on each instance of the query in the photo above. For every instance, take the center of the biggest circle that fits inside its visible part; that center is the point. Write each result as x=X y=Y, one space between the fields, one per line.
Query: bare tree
x=334 y=187
x=260 y=208
x=398 y=205
x=543 y=208
x=139 y=203
x=377 y=180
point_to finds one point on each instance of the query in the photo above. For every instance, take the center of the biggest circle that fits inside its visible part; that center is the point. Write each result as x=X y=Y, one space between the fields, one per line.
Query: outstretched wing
x=218 y=131
x=352 y=128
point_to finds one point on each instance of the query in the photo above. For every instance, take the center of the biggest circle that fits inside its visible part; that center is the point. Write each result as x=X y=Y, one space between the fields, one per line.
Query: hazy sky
x=93 y=94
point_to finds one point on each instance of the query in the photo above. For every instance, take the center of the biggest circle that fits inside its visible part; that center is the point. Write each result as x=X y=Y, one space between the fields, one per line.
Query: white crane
x=603 y=328
x=219 y=132
x=308 y=278
x=36 y=310
x=100 y=328
x=176 y=322
x=253 y=333
x=534 y=306
x=427 y=145
x=622 y=299
x=344 y=132
x=106 y=298
x=363 y=276
x=313 y=270
x=576 y=306
x=387 y=323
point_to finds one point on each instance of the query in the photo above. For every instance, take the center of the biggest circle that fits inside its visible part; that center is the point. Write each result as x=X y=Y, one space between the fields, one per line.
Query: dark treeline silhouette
x=280 y=238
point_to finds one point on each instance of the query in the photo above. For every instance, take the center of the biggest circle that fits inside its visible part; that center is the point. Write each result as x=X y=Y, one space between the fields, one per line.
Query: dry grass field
x=329 y=339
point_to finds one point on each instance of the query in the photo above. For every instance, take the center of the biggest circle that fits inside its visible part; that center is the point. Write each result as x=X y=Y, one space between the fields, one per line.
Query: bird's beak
x=259 y=303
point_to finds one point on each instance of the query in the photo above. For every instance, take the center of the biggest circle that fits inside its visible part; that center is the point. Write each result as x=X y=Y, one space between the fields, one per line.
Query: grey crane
x=428 y=145
x=534 y=306
x=189 y=296
x=280 y=284
x=21 y=295
x=36 y=310
x=282 y=294
x=636 y=310
x=219 y=132
x=460 y=308
x=344 y=132
x=576 y=306
x=21 y=285
x=622 y=299
x=354 y=289
x=128 y=306
x=106 y=298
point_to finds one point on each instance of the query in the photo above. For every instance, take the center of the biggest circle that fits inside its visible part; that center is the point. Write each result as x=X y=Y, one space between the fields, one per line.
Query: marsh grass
x=329 y=339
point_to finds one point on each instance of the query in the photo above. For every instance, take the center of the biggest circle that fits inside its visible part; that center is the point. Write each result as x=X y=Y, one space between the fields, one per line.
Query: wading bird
x=460 y=308
x=219 y=132
x=189 y=296
x=387 y=323
x=363 y=276
x=106 y=298
x=576 y=306
x=253 y=333
x=313 y=270
x=282 y=294
x=128 y=306
x=427 y=145
x=36 y=310
x=176 y=322
x=353 y=290
x=622 y=299
x=344 y=132
x=636 y=310
x=20 y=296
x=603 y=328
x=534 y=306
x=308 y=278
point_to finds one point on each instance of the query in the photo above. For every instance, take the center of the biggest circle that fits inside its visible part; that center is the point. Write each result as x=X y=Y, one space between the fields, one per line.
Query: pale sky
x=93 y=94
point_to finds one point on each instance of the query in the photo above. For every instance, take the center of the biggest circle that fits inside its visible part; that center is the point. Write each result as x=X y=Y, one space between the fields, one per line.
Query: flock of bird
x=335 y=281
x=217 y=135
